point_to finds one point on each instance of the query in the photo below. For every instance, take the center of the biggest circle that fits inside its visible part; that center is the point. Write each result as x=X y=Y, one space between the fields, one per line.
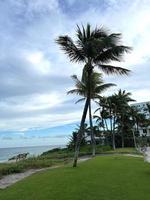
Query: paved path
x=8 y=180
x=13 y=178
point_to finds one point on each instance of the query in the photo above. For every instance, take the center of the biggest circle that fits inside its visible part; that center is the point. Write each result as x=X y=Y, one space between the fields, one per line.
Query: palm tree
x=121 y=101
x=93 y=48
x=134 y=114
x=73 y=137
x=115 y=108
x=103 y=113
x=97 y=87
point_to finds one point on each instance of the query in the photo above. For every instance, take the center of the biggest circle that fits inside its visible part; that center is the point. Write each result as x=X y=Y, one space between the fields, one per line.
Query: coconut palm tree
x=97 y=87
x=134 y=114
x=115 y=108
x=93 y=48
x=121 y=100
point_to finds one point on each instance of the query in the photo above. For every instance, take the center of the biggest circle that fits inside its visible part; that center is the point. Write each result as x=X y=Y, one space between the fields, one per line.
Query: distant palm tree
x=134 y=114
x=73 y=137
x=115 y=108
x=121 y=102
x=93 y=48
x=97 y=87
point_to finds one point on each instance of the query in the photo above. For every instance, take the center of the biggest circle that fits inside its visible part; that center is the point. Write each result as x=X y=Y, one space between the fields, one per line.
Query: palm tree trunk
x=137 y=127
x=113 y=141
x=81 y=132
x=134 y=138
x=105 y=120
x=92 y=132
x=113 y=135
x=89 y=72
x=122 y=139
x=122 y=132
x=113 y=132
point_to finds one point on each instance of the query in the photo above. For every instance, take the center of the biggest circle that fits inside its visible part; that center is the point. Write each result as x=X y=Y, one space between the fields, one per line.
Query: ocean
x=6 y=153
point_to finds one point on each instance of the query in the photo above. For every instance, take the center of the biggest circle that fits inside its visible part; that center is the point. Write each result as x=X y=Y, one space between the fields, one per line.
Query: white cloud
x=39 y=62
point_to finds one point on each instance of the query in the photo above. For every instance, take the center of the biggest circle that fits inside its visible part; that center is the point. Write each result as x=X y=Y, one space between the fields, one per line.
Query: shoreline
x=33 y=150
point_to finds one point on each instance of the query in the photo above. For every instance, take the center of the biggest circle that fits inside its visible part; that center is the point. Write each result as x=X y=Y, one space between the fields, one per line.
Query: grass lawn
x=102 y=178
x=56 y=157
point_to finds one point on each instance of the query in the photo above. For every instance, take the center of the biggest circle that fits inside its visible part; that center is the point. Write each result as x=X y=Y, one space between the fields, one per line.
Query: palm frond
x=80 y=100
x=110 y=41
x=88 y=31
x=109 y=69
x=96 y=110
x=114 y=53
x=99 y=33
x=74 y=91
x=67 y=45
x=102 y=88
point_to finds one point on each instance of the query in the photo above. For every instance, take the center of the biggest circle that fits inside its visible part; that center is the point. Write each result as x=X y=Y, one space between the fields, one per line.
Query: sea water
x=6 y=153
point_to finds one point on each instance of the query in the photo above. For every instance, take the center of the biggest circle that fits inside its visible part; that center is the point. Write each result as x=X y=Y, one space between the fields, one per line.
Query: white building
x=142 y=107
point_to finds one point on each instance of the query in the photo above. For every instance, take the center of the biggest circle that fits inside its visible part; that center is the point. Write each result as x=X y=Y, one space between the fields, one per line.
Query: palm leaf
x=103 y=87
x=80 y=100
x=74 y=91
x=67 y=45
x=99 y=33
x=114 y=53
x=109 y=69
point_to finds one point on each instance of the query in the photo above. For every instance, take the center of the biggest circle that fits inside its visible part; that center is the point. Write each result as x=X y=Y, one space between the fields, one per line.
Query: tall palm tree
x=93 y=48
x=97 y=87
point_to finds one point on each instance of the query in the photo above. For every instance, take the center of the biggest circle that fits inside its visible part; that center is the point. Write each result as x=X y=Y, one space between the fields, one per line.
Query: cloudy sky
x=35 y=74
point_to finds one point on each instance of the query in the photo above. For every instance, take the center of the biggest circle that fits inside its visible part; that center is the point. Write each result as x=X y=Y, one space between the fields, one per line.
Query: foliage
x=30 y=163
x=118 y=120
x=74 y=136
x=97 y=44
x=109 y=177
x=95 y=48
x=97 y=86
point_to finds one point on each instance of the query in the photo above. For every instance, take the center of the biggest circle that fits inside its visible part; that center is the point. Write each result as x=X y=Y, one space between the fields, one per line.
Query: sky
x=35 y=73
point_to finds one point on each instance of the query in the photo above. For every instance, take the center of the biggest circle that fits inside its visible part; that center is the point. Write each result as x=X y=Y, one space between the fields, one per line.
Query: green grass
x=102 y=178
x=127 y=150
x=55 y=157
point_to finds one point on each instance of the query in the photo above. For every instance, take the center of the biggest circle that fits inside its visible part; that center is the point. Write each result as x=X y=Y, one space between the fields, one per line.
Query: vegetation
x=57 y=157
x=93 y=48
x=97 y=87
x=116 y=123
x=94 y=179
x=30 y=163
x=115 y=115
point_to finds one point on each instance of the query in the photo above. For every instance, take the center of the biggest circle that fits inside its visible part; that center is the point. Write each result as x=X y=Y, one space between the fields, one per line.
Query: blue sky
x=35 y=74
